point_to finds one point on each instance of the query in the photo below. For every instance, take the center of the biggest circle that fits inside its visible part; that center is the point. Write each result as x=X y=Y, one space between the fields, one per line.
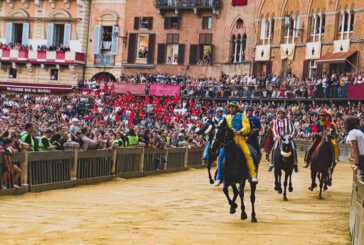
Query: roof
x=337 y=57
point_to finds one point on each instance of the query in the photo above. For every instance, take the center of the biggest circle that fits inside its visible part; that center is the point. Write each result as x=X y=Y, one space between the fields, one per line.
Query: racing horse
x=321 y=160
x=283 y=160
x=234 y=168
x=267 y=142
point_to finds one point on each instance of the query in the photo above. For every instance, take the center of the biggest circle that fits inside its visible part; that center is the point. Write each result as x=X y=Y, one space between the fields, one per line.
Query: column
x=349 y=22
x=289 y=30
x=342 y=24
x=294 y=30
x=235 y=50
x=320 y=30
x=264 y=32
x=314 y=27
x=241 y=50
x=24 y=166
x=270 y=30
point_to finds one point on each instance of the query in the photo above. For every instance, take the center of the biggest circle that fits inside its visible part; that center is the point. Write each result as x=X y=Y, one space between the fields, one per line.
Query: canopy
x=338 y=57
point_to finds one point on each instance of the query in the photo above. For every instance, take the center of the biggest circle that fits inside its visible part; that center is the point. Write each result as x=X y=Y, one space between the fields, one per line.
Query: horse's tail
x=255 y=155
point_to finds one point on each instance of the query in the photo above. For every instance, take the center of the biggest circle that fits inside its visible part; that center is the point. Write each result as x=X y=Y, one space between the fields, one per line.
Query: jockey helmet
x=249 y=108
x=281 y=110
x=219 y=109
x=234 y=103
x=323 y=113
x=328 y=113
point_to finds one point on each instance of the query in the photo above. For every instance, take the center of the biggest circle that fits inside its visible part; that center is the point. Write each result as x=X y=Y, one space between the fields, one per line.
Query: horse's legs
x=285 y=186
x=253 y=187
x=209 y=171
x=280 y=181
x=236 y=194
x=276 y=179
x=233 y=205
x=241 y=193
x=321 y=185
x=277 y=183
x=290 y=188
x=313 y=178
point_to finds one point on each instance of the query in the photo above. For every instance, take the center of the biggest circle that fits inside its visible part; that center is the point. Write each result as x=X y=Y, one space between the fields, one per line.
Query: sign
x=287 y=51
x=341 y=45
x=313 y=51
x=356 y=92
x=164 y=90
x=124 y=88
x=35 y=88
x=262 y=52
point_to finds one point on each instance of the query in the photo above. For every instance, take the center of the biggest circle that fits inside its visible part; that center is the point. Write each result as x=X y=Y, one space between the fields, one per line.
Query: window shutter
x=297 y=27
x=97 y=34
x=212 y=55
x=167 y=23
x=181 y=54
x=9 y=33
x=208 y=38
x=50 y=29
x=193 y=54
x=161 y=59
x=305 y=69
x=136 y=23
x=255 y=68
x=115 y=41
x=175 y=38
x=169 y=38
x=202 y=39
x=67 y=35
x=179 y=23
x=25 y=36
x=151 y=47
x=319 y=70
x=132 y=48
x=150 y=23
x=269 y=67
x=262 y=29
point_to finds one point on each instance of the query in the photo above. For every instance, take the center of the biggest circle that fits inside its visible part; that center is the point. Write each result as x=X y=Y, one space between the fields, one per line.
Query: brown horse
x=321 y=160
x=267 y=142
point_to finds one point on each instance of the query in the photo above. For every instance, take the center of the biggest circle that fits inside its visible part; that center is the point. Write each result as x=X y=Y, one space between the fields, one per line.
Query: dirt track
x=180 y=208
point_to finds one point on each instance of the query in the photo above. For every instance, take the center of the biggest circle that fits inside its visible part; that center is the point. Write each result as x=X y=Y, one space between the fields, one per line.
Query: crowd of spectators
x=19 y=46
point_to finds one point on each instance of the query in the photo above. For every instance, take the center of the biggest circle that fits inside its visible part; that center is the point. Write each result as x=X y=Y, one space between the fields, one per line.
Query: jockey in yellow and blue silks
x=255 y=127
x=239 y=123
x=217 y=119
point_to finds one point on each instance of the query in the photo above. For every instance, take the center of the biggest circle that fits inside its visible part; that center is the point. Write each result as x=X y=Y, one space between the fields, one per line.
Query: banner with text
x=35 y=88
x=164 y=90
x=124 y=88
x=356 y=92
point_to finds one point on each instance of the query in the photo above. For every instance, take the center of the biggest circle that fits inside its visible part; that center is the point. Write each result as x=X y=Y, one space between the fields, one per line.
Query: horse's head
x=206 y=128
x=286 y=146
x=327 y=135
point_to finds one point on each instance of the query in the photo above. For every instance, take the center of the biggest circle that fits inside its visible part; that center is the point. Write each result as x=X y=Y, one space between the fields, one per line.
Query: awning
x=339 y=57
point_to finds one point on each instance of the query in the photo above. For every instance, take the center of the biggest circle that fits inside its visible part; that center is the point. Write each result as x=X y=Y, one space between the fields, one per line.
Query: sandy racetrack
x=180 y=208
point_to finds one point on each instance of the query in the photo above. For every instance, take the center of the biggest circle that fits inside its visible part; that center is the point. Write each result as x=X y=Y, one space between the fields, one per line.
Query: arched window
x=238 y=48
x=239 y=24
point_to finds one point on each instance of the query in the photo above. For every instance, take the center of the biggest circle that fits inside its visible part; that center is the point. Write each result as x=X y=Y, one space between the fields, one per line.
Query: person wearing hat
x=334 y=134
x=255 y=127
x=281 y=127
x=217 y=119
x=317 y=129
x=239 y=123
x=44 y=144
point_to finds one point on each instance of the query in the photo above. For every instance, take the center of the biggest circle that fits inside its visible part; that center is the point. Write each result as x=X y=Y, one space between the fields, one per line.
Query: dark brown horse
x=267 y=142
x=321 y=160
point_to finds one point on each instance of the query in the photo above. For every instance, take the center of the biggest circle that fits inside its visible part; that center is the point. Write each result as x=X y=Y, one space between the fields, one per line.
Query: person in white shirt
x=356 y=138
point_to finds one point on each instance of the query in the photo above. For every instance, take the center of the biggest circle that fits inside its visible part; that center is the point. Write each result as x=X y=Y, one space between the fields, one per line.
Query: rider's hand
x=237 y=132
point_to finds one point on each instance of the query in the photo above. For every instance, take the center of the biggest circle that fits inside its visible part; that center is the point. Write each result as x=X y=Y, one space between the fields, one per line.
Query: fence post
x=114 y=157
x=24 y=166
x=165 y=165
x=73 y=146
x=186 y=157
x=141 y=163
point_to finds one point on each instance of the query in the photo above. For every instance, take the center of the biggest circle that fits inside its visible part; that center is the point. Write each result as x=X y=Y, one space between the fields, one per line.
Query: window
x=58 y=34
x=266 y=30
x=239 y=24
x=142 y=47
x=205 y=49
x=172 y=23
x=316 y=22
x=18 y=33
x=54 y=74
x=205 y=39
x=106 y=37
x=12 y=72
x=172 y=38
x=345 y=18
x=238 y=48
x=172 y=54
x=312 y=69
x=291 y=28
x=143 y=23
x=207 y=23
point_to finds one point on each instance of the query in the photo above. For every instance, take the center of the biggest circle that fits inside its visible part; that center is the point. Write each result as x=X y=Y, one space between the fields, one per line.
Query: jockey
x=217 y=119
x=281 y=127
x=255 y=127
x=239 y=123
x=317 y=130
x=206 y=132
x=334 y=135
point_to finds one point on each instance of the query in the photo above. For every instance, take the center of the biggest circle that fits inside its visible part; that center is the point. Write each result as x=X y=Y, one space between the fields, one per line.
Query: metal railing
x=104 y=60
x=188 y=4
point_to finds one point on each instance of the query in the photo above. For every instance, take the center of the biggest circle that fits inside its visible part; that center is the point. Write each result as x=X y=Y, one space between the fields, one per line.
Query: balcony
x=41 y=57
x=196 y=5
x=104 y=60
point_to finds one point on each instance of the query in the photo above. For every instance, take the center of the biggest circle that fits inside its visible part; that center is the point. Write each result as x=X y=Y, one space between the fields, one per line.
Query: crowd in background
x=19 y=46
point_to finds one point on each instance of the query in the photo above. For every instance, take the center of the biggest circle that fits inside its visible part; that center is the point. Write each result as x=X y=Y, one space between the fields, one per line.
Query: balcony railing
x=188 y=4
x=105 y=60
x=36 y=56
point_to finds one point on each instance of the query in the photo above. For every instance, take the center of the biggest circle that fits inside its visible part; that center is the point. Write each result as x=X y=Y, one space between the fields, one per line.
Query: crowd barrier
x=357 y=212
x=63 y=169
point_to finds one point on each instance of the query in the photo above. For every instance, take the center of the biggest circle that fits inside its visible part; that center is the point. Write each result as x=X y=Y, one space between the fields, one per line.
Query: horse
x=267 y=142
x=283 y=160
x=234 y=168
x=209 y=129
x=321 y=160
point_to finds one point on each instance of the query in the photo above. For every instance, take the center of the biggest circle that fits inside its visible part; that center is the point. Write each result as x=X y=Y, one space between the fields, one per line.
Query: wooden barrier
x=195 y=156
x=176 y=158
x=357 y=212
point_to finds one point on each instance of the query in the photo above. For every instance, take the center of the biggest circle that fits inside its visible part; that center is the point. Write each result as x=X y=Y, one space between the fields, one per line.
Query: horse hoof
x=232 y=210
x=280 y=191
x=329 y=184
x=285 y=199
x=234 y=205
x=254 y=220
x=244 y=216
x=275 y=188
x=290 y=189
x=320 y=198
x=310 y=188
x=325 y=188
x=211 y=182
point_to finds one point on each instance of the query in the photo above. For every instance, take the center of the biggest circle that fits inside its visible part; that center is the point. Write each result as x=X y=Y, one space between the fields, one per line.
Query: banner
x=356 y=92
x=313 y=51
x=287 y=51
x=341 y=45
x=124 y=88
x=262 y=52
x=164 y=90
x=35 y=88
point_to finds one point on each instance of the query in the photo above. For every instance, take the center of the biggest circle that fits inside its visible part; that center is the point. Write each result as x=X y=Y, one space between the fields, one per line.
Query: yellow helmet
x=234 y=103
